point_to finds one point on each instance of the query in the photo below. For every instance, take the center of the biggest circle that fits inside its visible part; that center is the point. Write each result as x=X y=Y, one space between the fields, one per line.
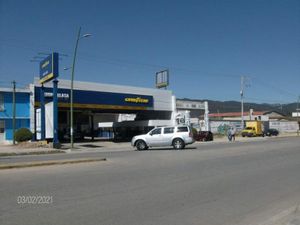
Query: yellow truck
x=253 y=128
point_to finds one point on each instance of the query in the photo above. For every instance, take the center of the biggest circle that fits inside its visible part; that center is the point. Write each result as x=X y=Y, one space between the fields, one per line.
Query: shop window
x=62 y=117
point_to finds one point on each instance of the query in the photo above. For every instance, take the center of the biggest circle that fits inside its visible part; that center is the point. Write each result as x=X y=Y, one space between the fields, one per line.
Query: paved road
x=213 y=184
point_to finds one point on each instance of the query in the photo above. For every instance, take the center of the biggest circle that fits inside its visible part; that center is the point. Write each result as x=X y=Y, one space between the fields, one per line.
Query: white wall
x=49 y=120
x=281 y=126
x=284 y=126
x=216 y=126
x=104 y=117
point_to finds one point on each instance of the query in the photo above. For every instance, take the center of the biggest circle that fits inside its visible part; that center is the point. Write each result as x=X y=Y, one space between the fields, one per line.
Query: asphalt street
x=209 y=184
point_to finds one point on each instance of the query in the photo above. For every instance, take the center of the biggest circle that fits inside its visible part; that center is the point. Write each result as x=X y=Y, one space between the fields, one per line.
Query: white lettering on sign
x=59 y=95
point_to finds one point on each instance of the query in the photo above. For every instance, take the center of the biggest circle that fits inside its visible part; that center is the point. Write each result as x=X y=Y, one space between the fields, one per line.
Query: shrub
x=195 y=132
x=23 y=134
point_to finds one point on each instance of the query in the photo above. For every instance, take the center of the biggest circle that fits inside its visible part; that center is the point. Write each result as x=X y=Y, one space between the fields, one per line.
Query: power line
x=123 y=62
x=282 y=91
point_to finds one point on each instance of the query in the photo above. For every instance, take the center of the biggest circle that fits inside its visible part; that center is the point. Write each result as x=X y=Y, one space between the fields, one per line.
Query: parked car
x=177 y=136
x=271 y=132
x=204 y=136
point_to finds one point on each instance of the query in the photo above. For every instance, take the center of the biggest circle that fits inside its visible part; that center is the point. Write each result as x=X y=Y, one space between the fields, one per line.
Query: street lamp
x=72 y=81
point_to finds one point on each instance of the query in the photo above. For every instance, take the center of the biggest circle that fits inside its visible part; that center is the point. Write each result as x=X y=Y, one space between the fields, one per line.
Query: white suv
x=177 y=136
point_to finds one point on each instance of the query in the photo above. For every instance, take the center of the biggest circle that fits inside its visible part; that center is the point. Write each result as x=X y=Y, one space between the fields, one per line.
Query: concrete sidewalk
x=10 y=150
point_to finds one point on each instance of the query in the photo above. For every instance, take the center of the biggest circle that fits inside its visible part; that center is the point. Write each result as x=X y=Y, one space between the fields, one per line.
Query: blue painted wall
x=22 y=105
x=19 y=124
x=22 y=112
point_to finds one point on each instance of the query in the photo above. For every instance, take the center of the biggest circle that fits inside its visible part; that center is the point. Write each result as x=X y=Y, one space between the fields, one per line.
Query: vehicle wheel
x=141 y=145
x=178 y=143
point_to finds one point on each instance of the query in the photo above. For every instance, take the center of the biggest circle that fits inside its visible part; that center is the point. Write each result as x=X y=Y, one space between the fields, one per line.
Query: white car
x=176 y=136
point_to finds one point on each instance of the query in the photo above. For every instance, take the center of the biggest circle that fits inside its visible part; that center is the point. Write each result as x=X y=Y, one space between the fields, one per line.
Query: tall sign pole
x=49 y=71
x=42 y=97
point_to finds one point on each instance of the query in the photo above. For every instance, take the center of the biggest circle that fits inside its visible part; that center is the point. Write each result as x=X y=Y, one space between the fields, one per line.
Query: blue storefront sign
x=49 y=68
x=98 y=100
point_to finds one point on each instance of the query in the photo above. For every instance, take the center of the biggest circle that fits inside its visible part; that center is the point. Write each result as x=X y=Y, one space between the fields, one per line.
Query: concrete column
x=206 y=117
x=174 y=111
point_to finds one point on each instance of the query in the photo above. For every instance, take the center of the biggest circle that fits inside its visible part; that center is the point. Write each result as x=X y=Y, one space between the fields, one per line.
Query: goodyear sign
x=98 y=100
x=49 y=68
x=137 y=100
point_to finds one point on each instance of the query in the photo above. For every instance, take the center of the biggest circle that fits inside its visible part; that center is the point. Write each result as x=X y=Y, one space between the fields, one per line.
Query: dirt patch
x=38 y=144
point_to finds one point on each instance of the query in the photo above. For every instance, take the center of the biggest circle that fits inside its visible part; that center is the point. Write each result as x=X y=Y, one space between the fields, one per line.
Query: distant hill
x=235 y=106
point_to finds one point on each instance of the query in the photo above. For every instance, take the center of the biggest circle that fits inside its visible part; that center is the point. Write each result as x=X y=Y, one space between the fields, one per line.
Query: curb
x=4 y=154
x=49 y=163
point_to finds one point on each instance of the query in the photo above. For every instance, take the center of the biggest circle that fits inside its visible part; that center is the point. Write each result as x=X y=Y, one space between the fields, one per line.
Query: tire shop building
x=103 y=110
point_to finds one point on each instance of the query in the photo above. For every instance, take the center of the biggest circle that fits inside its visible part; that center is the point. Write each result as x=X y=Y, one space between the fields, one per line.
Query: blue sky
x=207 y=45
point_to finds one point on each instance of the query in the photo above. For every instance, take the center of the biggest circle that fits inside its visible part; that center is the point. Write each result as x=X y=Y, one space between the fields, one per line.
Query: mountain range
x=235 y=106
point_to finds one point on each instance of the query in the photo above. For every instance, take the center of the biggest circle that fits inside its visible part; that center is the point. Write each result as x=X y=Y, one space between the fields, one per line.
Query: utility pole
x=298 y=115
x=242 y=101
x=14 y=111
